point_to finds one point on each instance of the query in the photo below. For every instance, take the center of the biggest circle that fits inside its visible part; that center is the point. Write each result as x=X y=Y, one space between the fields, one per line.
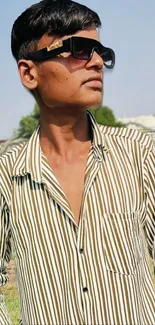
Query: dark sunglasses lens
x=108 y=57
x=82 y=48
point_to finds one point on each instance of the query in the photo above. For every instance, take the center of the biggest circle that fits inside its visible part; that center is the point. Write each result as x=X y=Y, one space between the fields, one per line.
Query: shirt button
x=81 y=250
x=85 y=289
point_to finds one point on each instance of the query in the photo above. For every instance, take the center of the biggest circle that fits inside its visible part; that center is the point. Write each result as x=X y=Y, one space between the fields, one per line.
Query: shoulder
x=10 y=154
x=7 y=162
x=125 y=135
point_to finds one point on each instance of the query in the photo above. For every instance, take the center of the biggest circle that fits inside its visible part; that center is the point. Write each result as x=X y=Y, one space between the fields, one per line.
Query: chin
x=95 y=101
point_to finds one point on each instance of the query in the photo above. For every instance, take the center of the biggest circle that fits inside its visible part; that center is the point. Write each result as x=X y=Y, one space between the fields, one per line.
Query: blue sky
x=127 y=26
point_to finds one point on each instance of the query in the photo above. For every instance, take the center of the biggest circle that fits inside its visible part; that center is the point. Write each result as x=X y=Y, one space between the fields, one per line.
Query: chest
x=71 y=179
x=38 y=217
x=107 y=188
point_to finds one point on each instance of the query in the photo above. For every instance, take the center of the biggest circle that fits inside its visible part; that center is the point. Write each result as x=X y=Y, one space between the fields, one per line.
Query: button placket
x=81 y=251
x=82 y=235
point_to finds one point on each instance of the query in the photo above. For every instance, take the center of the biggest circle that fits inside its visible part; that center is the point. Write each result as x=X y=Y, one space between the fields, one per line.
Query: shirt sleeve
x=149 y=183
x=5 y=255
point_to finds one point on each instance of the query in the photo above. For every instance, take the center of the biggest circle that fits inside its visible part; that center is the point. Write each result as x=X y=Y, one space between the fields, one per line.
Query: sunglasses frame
x=68 y=45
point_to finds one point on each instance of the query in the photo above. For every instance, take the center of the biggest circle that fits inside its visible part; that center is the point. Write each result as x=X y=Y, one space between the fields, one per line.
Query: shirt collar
x=29 y=159
x=99 y=147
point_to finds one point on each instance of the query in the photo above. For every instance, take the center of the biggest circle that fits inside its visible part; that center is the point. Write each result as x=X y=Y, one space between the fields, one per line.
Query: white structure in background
x=5 y=146
x=145 y=123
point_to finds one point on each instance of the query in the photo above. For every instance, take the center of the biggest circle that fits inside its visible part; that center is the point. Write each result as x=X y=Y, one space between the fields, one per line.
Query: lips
x=94 y=78
x=94 y=82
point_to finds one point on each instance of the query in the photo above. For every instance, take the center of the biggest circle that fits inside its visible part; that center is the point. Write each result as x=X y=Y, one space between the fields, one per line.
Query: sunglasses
x=81 y=48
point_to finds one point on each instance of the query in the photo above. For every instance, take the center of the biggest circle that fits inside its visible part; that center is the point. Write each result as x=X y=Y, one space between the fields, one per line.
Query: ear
x=28 y=74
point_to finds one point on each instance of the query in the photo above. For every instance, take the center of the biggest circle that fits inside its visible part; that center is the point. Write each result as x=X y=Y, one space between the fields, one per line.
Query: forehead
x=90 y=32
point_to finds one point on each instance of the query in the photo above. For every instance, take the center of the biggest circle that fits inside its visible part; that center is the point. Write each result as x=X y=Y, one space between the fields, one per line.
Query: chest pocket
x=123 y=242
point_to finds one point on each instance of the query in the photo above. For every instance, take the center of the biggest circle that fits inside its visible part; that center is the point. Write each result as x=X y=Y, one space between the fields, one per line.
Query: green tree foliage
x=103 y=115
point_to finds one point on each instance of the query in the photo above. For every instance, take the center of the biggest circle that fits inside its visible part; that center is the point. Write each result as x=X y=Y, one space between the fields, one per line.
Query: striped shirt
x=94 y=273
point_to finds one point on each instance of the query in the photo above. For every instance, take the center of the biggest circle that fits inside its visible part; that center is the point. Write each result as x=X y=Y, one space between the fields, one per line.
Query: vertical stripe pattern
x=94 y=273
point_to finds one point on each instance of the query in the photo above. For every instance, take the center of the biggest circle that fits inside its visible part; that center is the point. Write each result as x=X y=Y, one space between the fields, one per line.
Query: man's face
x=63 y=81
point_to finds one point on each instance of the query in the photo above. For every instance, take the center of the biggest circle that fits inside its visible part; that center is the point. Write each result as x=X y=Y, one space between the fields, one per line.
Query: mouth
x=94 y=82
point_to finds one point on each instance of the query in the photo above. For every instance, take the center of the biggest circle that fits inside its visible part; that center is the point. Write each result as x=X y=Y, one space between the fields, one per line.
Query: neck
x=64 y=135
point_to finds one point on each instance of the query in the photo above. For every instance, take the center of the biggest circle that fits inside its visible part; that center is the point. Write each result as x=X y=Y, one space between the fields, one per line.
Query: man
x=77 y=198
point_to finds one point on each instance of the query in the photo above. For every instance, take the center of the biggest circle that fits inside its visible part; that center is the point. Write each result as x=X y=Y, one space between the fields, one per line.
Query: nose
x=95 y=60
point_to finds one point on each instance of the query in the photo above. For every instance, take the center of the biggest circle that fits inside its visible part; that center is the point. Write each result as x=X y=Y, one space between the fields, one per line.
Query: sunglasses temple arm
x=44 y=54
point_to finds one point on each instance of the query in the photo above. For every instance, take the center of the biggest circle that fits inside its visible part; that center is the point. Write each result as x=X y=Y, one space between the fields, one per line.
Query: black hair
x=51 y=17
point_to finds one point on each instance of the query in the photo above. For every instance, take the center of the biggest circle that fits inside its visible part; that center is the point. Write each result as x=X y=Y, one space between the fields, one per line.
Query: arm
x=5 y=254
x=149 y=183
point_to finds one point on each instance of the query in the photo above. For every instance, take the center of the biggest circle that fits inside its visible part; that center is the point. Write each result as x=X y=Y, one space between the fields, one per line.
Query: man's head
x=63 y=79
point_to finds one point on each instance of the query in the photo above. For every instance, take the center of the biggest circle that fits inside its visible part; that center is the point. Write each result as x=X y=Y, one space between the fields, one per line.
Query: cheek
x=62 y=77
x=64 y=80
x=76 y=63
x=61 y=85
